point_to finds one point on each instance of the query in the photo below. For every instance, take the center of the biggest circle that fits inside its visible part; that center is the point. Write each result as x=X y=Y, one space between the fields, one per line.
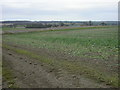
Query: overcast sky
x=65 y=10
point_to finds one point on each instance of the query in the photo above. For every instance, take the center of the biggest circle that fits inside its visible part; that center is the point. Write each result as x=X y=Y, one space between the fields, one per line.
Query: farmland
x=75 y=57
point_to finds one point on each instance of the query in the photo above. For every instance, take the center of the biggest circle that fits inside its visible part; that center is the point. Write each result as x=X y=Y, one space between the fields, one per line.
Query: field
x=75 y=57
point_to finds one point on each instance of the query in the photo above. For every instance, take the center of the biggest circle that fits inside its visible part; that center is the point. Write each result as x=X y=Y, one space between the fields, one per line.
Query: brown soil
x=30 y=73
x=101 y=64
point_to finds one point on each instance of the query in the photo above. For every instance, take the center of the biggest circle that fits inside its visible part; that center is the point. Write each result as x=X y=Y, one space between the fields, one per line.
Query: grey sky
x=77 y=10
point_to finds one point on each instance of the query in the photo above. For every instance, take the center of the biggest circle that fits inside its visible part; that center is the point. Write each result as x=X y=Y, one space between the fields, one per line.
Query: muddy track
x=30 y=73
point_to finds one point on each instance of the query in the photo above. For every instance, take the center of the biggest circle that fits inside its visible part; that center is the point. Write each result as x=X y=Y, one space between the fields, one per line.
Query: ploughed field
x=77 y=57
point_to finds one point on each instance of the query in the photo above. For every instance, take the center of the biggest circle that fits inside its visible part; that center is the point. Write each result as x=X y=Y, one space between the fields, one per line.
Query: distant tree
x=14 y=25
x=90 y=23
x=103 y=24
x=55 y=25
x=11 y=26
x=38 y=25
x=72 y=23
x=61 y=24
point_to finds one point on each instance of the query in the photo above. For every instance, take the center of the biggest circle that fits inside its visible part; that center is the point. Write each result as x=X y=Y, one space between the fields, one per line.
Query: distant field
x=70 y=27
x=91 y=44
x=8 y=28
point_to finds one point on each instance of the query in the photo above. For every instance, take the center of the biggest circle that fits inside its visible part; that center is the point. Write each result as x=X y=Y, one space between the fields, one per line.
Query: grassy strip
x=72 y=67
x=80 y=28
x=8 y=76
x=68 y=29
x=8 y=28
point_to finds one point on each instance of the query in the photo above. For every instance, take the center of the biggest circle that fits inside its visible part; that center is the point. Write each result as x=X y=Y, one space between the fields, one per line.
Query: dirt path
x=30 y=73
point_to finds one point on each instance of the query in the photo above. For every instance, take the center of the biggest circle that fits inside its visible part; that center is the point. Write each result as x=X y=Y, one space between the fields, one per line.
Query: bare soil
x=30 y=73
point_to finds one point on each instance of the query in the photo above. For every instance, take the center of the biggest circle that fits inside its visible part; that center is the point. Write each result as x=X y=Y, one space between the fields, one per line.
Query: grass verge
x=8 y=75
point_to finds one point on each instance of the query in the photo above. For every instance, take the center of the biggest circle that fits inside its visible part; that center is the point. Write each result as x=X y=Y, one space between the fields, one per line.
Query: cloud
x=60 y=9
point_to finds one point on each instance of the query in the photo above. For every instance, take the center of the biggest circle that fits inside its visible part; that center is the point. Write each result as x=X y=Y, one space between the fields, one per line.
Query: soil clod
x=21 y=58
x=9 y=53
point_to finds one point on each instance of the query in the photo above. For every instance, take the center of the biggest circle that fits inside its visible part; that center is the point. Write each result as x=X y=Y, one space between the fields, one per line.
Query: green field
x=103 y=42
x=100 y=44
